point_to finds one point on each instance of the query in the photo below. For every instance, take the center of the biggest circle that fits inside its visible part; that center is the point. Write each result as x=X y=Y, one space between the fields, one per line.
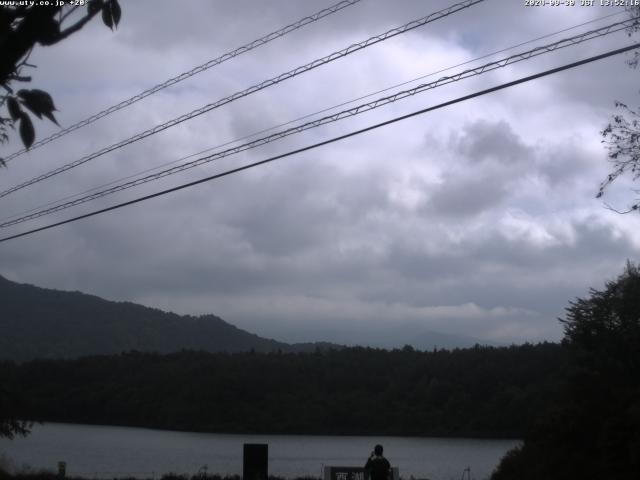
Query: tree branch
x=20 y=78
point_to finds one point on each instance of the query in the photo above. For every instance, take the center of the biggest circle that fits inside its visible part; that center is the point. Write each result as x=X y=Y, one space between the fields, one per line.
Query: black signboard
x=256 y=461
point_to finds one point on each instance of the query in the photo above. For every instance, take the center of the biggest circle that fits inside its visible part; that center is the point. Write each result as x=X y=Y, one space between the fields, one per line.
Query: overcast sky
x=479 y=219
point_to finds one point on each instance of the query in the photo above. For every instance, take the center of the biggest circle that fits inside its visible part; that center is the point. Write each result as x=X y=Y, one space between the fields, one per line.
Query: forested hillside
x=482 y=391
x=44 y=323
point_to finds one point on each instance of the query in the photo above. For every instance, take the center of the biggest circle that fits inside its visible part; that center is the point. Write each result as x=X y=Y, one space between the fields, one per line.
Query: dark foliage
x=22 y=27
x=622 y=135
x=11 y=424
x=12 y=427
x=46 y=475
x=481 y=391
x=593 y=432
x=622 y=139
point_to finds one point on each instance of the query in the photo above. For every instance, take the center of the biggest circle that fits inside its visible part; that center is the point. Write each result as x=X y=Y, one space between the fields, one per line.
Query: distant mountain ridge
x=45 y=323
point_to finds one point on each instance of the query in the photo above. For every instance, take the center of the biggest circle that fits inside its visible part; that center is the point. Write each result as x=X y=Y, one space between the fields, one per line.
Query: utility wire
x=304 y=117
x=255 y=88
x=510 y=60
x=194 y=71
x=331 y=140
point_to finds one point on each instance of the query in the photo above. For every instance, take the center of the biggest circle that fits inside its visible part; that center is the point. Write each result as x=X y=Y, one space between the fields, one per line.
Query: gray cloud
x=485 y=141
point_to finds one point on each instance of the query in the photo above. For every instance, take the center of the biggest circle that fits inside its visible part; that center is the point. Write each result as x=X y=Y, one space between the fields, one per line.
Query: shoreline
x=278 y=434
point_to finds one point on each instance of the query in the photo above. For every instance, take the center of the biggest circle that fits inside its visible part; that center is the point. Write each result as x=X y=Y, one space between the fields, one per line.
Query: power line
x=255 y=88
x=309 y=115
x=510 y=60
x=194 y=71
x=331 y=140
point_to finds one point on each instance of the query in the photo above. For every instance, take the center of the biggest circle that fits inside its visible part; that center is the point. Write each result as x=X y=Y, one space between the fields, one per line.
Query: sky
x=475 y=221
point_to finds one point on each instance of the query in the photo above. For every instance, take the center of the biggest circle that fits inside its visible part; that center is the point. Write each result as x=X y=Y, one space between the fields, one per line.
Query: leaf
x=39 y=98
x=116 y=12
x=14 y=108
x=50 y=116
x=27 y=133
x=39 y=102
x=111 y=13
x=107 y=17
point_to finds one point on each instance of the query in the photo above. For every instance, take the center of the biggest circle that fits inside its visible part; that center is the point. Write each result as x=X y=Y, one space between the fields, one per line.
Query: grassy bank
x=49 y=475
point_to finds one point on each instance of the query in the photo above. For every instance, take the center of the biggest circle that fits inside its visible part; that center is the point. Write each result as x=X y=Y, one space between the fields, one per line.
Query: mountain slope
x=43 y=323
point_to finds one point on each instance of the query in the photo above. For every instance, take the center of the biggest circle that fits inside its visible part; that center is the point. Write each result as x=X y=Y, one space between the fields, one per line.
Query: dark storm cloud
x=486 y=141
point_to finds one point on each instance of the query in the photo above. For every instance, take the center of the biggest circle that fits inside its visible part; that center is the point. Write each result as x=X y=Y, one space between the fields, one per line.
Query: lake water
x=109 y=452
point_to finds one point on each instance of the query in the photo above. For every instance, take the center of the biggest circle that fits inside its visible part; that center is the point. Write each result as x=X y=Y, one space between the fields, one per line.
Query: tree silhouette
x=10 y=423
x=622 y=135
x=594 y=430
x=22 y=27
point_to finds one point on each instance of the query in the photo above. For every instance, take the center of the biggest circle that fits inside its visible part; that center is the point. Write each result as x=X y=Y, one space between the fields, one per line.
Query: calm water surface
x=108 y=452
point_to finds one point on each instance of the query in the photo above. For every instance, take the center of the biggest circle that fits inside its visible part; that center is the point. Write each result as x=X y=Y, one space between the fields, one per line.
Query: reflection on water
x=108 y=452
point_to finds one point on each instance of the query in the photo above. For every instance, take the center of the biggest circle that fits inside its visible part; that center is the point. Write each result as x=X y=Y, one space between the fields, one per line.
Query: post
x=255 y=461
x=62 y=470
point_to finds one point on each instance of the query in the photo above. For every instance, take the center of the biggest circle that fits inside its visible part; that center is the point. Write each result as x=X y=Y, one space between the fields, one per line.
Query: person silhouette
x=377 y=467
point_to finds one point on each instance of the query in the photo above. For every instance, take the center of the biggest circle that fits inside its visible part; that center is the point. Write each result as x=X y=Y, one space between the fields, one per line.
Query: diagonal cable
x=329 y=141
x=255 y=88
x=194 y=71
x=304 y=117
x=365 y=107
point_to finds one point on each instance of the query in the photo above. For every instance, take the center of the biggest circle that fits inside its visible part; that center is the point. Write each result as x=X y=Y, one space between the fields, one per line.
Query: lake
x=109 y=452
